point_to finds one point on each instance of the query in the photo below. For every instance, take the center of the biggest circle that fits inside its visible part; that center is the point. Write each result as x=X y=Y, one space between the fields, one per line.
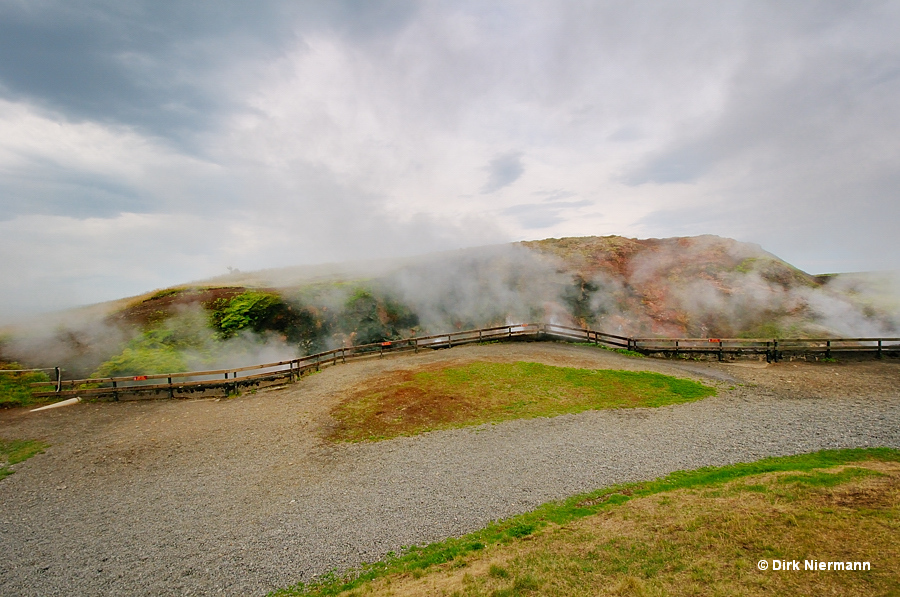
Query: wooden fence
x=174 y=385
x=57 y=378
x=774 y=349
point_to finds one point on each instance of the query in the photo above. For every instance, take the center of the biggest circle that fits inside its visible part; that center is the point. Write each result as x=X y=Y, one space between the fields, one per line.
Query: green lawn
x=407 y=403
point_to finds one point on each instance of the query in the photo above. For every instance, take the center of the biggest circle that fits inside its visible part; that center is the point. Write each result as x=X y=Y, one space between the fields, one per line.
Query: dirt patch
x=811 y=379
x=162 y=305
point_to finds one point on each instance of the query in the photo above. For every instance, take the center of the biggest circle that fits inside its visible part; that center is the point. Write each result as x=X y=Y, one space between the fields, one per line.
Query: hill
x=677 y=287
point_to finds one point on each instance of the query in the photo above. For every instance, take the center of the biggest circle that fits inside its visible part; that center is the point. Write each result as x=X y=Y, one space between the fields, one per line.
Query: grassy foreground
x=406 y=403
x=16 y=451
x=696 y=532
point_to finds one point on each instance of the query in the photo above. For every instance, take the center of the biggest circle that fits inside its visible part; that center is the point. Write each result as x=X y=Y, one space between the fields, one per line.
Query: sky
x=149 y=143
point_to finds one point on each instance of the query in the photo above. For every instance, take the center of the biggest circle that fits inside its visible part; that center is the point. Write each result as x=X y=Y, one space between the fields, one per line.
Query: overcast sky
x=144 y=144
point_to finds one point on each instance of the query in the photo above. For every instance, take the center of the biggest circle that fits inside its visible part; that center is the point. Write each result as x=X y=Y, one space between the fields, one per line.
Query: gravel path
x=241 y=496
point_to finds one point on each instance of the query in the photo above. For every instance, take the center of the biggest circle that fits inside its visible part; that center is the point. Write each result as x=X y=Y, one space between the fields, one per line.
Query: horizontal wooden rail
x=774 y=348
x=181 y=382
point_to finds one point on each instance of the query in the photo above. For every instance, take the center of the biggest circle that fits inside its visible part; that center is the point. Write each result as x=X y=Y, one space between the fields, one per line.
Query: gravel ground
x=241 y=496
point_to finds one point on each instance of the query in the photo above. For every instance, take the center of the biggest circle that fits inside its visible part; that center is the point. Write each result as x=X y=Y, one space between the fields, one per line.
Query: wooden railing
x=230 y=380
x=774 y=349
x=584 y=335
x=56 y=381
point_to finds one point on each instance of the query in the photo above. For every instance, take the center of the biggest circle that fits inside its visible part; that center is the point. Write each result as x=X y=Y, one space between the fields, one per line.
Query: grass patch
x=15 y=388
x=689 y=533
x=16 y=451
x=406 y=403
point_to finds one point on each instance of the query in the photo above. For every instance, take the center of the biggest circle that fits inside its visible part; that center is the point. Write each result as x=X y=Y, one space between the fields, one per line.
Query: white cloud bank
x=430 y=125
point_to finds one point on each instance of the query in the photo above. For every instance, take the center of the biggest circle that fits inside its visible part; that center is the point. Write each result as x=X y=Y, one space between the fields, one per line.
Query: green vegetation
x=262 y=312
x=375 y=319
x=768 y=329
x=160 y=349
x=747 y=265
x=689 y=533
x=406 y=403
x=776 y=327
x=252 y=310
x=15 y=388
x=194 y=338
x=16 y=451
x=579 y=298
x=151 y=352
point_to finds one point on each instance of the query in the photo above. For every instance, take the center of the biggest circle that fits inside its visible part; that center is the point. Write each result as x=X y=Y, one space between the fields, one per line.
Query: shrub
x=15 y=388
x=143 y=360
x=375 y=319
x=261 y=312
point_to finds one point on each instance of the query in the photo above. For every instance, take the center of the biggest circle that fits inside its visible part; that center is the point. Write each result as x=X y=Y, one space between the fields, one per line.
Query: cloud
x=52 y=165
x=304 y=131
x=503 y=170
x=74 y=261
x=683 y=164
x=166 y=68
x=543 y=215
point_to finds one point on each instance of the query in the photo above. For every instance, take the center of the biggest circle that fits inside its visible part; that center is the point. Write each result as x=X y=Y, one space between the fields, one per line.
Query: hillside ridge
x=700 y=286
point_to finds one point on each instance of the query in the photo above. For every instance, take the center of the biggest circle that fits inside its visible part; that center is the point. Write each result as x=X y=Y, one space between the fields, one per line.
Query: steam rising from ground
x=487 y=286
x=709 y=286
x=687 y=287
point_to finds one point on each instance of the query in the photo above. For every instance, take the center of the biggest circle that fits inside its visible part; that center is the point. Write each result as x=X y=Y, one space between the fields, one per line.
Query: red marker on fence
x=385 y=343
x=714 y=340
x=140 y=377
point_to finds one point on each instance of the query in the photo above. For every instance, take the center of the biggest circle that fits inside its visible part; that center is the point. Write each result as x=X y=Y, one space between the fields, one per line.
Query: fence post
x=721 y=354
x=58 y=381
x=171 y=390
x=879 y=348
x=115 y=392
x=828 y=349
x=343 y=359
x=676 y=348
x=479 y=336
x=775 y=350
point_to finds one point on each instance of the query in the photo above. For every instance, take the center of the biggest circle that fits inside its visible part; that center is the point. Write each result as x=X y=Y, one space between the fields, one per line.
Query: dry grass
x=702 y=541
x=410 y=402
